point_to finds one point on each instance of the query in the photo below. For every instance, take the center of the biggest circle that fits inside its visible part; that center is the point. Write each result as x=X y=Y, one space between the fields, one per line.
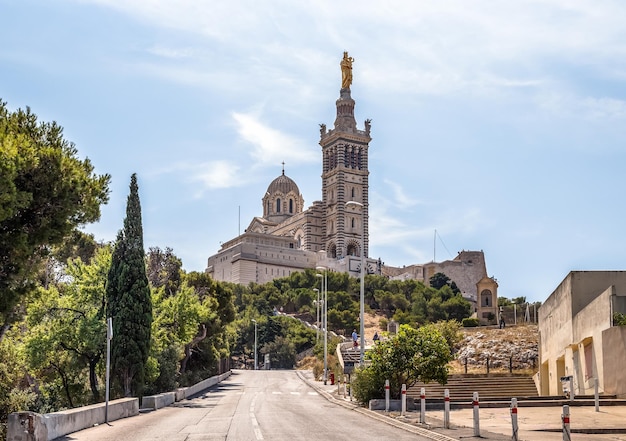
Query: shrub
x=470 y=322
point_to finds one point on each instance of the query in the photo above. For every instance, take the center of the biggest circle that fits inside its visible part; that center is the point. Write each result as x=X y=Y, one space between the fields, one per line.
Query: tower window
x=352 y=222
x=290 y=205
x=278 y=205
x=352 y=193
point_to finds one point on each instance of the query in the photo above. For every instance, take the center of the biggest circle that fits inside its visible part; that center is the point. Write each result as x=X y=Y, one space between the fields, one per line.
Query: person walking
x=355 y=339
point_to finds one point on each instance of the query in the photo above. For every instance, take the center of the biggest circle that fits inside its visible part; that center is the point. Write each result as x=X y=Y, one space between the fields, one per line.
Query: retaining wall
x=31 y=426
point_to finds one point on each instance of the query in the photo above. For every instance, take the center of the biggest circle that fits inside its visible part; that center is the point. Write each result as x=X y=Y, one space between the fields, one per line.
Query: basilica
x=333 y=232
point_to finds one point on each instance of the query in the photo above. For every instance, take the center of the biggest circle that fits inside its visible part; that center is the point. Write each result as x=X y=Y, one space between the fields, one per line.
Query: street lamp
x=324 y=317
x=317 y=318
x=362 y=297
x=255 y=363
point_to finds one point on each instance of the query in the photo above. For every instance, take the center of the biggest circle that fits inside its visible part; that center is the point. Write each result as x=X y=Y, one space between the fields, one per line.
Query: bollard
x=487 y=363
x=422 y=405
x=446 y=409
x=565 y=420
x=476 y=419
x=403 y=399
x=465 y=365
x=511 y=364
x=386 y=395
x=596 y=395
x=514 y=418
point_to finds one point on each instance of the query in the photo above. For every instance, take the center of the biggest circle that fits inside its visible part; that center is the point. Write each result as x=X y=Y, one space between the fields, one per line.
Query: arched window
x=352 y=222
x=485 y=297
x=290 y=205
x=352 y=193
x=278 y=205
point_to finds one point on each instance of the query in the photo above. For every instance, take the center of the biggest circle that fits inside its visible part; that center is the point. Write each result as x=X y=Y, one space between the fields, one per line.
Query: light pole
x=324 y=317
x=362 y=296
x=255 y=363
x=317 y=319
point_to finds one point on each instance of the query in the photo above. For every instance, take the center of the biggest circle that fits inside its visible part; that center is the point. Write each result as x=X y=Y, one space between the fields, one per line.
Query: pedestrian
x=501 y=320
x=376 y=338
x=355 y=339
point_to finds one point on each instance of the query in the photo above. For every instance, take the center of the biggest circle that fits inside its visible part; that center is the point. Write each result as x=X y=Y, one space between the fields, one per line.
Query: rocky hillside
x=514 y=344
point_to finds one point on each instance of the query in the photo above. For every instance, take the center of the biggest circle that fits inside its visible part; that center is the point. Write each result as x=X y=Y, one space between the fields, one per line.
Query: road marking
x=294 y=393
x=312 y=393
x=277 y=393
x=255 y=424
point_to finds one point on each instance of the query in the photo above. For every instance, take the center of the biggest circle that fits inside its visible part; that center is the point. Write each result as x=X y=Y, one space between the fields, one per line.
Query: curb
x=384 y=419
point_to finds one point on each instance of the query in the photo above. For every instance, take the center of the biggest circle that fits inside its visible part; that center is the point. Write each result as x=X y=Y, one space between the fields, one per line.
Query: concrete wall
x=572 y=325
x=30 y=426
x=158 y=401
x=25 y=426
x=614 y=360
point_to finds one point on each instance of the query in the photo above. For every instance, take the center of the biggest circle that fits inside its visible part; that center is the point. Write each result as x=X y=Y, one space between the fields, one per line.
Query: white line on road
x=255 y=423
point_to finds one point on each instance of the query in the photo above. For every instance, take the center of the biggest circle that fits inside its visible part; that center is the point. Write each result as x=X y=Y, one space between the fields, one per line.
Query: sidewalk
x=535 y=423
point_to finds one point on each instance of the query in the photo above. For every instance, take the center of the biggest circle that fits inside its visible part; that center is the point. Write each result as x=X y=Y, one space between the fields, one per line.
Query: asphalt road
x=250 y=406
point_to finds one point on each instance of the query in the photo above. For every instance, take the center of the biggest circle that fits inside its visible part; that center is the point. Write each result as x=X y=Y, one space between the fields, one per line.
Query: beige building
x=334 y=231
x=577 y=337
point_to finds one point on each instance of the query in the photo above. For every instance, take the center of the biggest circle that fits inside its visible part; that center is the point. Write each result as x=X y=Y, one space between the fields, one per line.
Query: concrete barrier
x=158 y=401
x=27 y=426
x=31 y=426
x=205 y=384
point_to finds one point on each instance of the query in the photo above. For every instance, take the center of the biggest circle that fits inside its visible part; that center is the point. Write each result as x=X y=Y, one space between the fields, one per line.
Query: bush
x=366 y=386
x=470 y=322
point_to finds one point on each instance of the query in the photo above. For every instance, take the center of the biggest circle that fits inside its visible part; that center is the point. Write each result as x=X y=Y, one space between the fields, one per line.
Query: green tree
x=129 y=301
x=412 y=355
x=440 y=280
x=46 y=191
x=66 y=328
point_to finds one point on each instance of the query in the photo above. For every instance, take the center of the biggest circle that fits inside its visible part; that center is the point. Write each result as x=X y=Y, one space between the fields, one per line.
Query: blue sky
x=501 y=125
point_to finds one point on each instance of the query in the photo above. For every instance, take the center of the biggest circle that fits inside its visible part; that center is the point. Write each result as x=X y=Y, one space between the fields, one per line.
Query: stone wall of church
x=260 y=262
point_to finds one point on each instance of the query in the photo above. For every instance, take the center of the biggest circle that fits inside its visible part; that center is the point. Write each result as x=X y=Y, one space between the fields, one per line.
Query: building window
x=290 y=205
x=352 y=222
x=278 y=205
x=352 y=193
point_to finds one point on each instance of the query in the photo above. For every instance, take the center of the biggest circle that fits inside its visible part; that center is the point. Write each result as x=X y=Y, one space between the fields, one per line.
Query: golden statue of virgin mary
x=346 y=71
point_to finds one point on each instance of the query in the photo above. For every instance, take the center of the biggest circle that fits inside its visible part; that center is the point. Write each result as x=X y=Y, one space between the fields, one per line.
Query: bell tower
x=345 y=176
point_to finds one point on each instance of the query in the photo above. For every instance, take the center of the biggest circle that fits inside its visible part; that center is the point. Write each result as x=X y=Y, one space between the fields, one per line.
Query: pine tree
x=129 y=301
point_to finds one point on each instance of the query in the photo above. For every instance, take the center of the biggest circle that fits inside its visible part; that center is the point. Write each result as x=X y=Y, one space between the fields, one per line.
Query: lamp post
x=324 y=317
x=317 y=319
x=255 y=359
x=362 y=296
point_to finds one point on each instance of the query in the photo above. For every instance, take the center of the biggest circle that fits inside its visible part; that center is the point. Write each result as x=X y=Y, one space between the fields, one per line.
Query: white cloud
x=270 y=146
x=590 y=108
x=401 y=199
x=218 y=174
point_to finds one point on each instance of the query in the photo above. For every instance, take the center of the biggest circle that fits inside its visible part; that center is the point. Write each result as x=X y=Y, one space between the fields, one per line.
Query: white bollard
x=403 y=399
x=514 y=418
x=386 y=395
x=423 y=405
x=476 y=419
x=446 y=409
x=596 y=394
x=565 y=419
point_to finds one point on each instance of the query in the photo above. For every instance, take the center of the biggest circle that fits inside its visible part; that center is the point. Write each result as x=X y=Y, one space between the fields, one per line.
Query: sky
x=496 y=126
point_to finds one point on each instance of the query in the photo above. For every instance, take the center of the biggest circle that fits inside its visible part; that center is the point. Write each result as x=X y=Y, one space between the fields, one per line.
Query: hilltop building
x=333 y=232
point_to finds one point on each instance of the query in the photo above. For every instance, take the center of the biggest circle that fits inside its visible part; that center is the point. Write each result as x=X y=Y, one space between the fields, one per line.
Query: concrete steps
x=492 y=386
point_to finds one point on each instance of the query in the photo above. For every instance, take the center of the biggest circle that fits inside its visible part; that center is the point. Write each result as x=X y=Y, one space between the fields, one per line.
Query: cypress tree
x=128 y=300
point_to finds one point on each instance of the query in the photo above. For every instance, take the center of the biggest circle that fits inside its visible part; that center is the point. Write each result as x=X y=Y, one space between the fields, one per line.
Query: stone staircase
x=492 y=387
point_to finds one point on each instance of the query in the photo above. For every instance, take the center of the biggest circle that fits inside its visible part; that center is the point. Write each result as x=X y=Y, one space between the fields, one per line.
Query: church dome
x=283 y=184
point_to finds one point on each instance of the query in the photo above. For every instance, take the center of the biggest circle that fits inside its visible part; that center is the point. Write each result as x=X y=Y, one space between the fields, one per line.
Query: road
x=249 y=406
